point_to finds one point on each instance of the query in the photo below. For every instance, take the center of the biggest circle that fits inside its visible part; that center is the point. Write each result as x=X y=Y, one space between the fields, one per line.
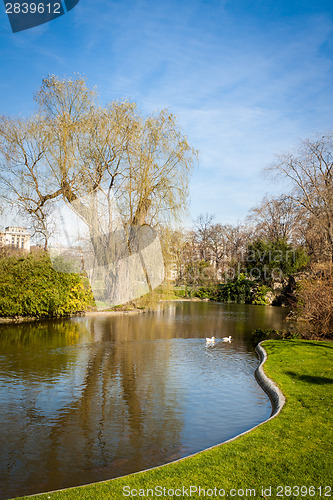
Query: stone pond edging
x=275 y=394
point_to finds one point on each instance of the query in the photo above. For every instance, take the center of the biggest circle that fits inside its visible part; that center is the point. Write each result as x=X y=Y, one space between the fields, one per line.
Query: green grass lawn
x=292 y=450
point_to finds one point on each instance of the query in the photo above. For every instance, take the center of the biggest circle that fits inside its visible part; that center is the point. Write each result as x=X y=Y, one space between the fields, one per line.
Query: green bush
x=238 y=290
x=269 y=261
x=260 y=334
x=259 y=298
x=205 y=292
x=29 y=286
x=263 y=334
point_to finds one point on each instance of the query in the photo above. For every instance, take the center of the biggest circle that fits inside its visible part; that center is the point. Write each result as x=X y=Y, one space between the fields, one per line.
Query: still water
x=92 y=398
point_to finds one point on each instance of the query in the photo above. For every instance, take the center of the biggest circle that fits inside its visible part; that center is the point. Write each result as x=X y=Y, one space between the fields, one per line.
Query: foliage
x=260 y=296
x=269 y=261
x=208 y=292
x=260 y=334
x=309 y=171
x=73 y=147
x=275 y=218
x=315 y=305
x=29 y=286
x=198 y=273
x=291 y=333
x=121 y=173
x=238 y=290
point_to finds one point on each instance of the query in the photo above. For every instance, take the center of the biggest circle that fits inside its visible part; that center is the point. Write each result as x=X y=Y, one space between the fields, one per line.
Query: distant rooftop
x=15 y=229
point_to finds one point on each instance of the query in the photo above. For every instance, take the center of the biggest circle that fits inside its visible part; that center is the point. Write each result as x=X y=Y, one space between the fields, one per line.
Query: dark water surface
x=88 y=399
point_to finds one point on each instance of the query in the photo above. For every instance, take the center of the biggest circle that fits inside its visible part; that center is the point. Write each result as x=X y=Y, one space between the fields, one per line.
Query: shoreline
x=32 y=319
x=83 y=314
x=274 y=453
x=277 y=400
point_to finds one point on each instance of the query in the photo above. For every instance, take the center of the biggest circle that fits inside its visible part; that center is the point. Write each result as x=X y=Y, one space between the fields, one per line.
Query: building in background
x=16 y=238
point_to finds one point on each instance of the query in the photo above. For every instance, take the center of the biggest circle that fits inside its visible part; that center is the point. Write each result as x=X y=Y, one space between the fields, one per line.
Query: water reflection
x=92 y=398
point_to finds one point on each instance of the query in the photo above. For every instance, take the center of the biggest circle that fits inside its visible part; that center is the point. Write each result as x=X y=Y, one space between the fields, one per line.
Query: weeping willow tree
x=121 y=175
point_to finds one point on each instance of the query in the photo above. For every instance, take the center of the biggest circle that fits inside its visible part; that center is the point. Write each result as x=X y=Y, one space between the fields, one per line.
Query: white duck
x=210 y=340
x=227 y=339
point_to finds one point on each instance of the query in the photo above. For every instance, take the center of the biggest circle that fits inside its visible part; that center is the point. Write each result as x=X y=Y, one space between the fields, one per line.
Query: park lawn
x=294 y=449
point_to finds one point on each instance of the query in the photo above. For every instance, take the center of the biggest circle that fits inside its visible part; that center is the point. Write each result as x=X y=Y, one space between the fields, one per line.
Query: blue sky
x=247 y=79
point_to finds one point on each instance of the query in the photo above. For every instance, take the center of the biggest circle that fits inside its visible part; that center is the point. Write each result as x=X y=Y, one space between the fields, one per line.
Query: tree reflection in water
x=87 y=399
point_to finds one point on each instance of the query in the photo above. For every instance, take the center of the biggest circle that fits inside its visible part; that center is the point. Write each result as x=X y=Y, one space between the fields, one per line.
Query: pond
x=92 y=398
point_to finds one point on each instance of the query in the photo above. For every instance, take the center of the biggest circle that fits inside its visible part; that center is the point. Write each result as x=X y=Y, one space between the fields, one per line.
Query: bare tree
x=310 y=174
x=237 y=238
x=218 y=246
x=203 y=225
x=313 y=238
x=25 y=183
x=275 y=218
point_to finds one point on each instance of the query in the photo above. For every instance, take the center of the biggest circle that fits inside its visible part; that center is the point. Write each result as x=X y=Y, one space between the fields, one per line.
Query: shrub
x=259 y=298
x=262 y=334
x=238 y=290
x=315 y=305
x=205 y=292
x=270 y=261
x=29 y=286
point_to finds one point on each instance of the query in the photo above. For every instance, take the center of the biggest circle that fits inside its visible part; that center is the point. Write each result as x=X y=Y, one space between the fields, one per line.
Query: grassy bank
x=294 y=449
